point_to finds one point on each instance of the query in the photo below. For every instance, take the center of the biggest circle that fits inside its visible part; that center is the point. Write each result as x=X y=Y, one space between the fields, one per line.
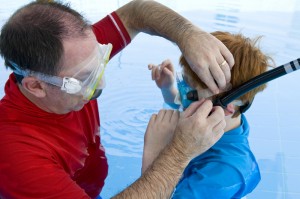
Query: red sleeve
x=111 y=30
x=34 y=173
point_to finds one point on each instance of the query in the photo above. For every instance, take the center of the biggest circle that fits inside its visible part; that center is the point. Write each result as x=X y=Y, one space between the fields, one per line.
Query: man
x=50 y=139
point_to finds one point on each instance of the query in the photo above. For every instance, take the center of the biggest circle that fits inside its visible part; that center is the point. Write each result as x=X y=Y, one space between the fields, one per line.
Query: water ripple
x=125 y=112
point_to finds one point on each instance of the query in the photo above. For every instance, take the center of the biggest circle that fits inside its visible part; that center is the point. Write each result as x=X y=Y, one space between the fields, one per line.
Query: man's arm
x=199 y=127
x=202 y=51
x=159 y=180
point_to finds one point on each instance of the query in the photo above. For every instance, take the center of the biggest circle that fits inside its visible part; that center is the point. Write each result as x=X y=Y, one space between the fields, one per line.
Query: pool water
x=131 y=97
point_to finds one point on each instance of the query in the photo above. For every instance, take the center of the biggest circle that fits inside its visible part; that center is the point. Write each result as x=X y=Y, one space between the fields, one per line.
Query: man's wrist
x=168 y=167
x=190 y=30
x=160 y=179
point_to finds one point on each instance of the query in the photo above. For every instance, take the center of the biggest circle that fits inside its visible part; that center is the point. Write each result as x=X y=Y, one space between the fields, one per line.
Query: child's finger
x=167 y=64
x=161 y=114
x=153 y=72
x=167 y=72
x=175 y=116
x=157 y=72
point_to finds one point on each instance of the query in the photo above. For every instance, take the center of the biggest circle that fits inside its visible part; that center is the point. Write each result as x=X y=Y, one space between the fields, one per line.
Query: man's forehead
x=77 y=50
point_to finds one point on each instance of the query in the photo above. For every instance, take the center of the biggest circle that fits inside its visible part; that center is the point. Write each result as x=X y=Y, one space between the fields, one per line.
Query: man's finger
x=220 y=126
x=207 y=78
x=216 y=115
x=226 y=71
x=192 y=108
x=218 y=74
x=204 y=109
x=218 y=134
x=227 y=56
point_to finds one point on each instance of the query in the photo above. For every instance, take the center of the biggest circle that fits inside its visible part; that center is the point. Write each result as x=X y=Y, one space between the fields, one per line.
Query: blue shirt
x=227 y=170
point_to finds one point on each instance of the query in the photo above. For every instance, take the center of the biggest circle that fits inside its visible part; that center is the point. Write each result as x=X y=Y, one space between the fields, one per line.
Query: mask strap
x=54 y=80
x=17 y=69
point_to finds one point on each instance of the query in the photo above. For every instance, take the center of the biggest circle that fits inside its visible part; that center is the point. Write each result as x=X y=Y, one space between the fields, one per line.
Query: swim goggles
x=89 y=79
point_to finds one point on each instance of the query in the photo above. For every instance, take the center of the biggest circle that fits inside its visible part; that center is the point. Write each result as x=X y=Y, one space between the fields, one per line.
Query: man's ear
x=229 y=109
x=34 y=86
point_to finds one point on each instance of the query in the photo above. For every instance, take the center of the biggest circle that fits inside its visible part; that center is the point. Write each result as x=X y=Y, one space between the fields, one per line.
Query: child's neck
x=232 y=123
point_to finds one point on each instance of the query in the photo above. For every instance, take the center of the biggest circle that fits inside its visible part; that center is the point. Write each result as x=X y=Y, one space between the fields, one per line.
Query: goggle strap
x=54 y=80
x=57 y=81
x=17 y=69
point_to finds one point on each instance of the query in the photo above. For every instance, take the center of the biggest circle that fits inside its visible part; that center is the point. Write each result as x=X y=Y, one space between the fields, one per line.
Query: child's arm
x=163 y=75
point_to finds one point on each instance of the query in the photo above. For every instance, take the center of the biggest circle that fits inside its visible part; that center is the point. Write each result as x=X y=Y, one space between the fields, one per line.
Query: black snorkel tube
x=251 y=84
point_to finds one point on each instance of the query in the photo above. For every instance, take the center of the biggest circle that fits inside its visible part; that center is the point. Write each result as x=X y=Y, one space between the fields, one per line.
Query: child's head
x=249 y=62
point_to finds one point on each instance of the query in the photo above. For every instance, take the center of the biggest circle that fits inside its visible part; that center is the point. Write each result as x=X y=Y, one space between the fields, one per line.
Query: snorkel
x=250 y=84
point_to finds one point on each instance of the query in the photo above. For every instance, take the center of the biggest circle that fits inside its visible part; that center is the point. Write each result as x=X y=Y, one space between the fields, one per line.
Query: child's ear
x=229 y=109
x=34 y=86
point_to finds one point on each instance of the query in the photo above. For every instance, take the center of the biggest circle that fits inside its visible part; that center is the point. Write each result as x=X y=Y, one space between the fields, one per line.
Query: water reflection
x=227 y=15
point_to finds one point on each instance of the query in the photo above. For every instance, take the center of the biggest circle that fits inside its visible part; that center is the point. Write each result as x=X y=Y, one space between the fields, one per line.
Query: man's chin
x=78 y=107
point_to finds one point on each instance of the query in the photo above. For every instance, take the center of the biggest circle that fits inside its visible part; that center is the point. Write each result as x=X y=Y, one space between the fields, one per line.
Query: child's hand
x=159 y=133
x=163 y=74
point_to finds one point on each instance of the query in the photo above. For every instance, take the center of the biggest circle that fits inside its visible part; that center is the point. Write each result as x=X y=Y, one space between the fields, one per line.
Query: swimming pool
x=130 y=97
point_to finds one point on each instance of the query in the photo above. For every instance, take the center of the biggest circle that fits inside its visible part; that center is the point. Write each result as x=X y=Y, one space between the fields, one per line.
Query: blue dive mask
x=184 y=90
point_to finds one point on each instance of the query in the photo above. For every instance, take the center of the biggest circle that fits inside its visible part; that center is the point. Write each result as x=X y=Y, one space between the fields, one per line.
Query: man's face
x=76 y=52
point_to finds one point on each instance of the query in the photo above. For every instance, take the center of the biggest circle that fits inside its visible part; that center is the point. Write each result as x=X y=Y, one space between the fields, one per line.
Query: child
x=228 y=169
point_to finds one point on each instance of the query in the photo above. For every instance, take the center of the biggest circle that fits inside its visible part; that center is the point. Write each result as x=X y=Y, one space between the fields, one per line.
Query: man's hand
x=160 y=131
x=208 y=57
x=204 y=53
x=199 y=127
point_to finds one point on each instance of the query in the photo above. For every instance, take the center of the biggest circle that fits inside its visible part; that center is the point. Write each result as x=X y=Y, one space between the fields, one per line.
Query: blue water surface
x=131 y=97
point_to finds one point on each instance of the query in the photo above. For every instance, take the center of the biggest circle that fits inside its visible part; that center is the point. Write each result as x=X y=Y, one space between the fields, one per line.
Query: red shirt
x=46 y=155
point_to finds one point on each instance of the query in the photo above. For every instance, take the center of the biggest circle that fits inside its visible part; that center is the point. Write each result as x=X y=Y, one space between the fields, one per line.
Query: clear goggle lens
x=88 y=78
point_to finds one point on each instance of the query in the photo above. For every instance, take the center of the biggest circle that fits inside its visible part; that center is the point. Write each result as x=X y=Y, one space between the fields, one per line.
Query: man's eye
x=84 y=76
